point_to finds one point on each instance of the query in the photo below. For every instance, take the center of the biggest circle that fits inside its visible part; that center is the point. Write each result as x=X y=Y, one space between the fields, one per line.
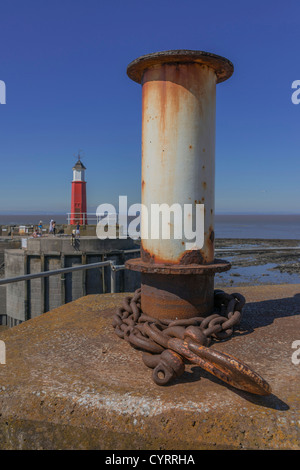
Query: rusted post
x=178 y=168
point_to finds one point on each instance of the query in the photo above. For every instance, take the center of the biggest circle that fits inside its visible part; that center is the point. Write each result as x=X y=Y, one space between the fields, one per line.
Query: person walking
x=40 y=228
x=51 y=226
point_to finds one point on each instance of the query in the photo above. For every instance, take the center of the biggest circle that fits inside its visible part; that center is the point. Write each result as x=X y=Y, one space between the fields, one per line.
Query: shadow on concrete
x=259 y=314
x=269 y=401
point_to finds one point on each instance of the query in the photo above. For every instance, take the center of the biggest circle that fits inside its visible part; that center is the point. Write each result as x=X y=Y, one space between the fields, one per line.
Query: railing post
x=26 y=290
x=63 y=281
x=113 y=277
x=102 y=271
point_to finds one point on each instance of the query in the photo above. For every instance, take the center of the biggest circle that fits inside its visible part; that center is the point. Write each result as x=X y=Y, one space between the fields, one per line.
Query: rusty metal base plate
x=217 y=266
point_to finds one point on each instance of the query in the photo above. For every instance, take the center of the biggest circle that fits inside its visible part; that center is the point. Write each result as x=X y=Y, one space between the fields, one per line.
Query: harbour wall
x=29 y=299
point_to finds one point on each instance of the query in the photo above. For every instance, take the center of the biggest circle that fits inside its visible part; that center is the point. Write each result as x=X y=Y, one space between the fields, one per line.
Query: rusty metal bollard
x=178 y=167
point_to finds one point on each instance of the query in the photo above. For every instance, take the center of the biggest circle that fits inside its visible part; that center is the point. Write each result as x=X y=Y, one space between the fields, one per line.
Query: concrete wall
x=16 y=293
x=5 y=244
x=35 y=286
x=25 y=300
x=53 y=293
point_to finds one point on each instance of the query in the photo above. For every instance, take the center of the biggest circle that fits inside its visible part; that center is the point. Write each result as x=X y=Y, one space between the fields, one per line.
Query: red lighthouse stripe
x=78 y=203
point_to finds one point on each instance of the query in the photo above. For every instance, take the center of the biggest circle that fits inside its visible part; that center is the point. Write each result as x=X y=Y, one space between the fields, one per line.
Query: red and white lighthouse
x=78 y=199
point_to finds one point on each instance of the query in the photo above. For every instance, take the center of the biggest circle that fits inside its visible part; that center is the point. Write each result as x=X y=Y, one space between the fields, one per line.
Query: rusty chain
x=157 y=337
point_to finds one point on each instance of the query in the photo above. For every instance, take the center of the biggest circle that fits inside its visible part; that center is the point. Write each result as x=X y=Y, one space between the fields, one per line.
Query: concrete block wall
x=25 y=300
x=6 y=244
x=74 y=282
x=54 y=296
x=16 y=293
x=35 y=287
x=95 y=277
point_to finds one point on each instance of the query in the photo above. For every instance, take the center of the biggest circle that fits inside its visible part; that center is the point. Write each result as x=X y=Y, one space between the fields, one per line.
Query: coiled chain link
x=152 y=335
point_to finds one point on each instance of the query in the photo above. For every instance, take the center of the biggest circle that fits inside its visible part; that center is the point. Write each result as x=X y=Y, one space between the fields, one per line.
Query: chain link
x=151 y=335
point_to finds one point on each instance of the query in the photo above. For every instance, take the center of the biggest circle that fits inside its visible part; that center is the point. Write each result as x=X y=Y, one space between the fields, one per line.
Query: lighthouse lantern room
x=78 y=199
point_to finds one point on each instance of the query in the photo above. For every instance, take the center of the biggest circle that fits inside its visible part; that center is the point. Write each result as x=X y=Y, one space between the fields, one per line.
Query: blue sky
x=64 y=64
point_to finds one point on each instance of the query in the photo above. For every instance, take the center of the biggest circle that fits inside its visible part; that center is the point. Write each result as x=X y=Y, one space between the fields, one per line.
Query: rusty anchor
x=225 y=367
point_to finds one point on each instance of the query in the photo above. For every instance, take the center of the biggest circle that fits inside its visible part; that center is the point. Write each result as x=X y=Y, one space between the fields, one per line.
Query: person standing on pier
x=51 y=226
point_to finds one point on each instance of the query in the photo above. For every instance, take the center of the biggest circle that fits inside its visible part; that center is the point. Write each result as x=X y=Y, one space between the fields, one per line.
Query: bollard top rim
x=222 y=66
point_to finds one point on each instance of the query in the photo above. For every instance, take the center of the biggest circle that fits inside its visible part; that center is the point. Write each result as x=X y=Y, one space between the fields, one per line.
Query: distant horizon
x=94 y=211
x=263 y=226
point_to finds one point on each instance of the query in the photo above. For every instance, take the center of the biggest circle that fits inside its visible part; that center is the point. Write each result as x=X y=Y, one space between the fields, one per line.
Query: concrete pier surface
x=70 y=383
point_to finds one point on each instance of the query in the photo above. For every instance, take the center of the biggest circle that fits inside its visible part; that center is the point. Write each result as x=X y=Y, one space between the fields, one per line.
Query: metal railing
x=91 y=217
x=112 y=263
x=27 y=277
x=114 y=268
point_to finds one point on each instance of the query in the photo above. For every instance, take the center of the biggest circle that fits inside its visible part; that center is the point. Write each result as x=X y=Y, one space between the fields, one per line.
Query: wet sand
x=257 y=262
